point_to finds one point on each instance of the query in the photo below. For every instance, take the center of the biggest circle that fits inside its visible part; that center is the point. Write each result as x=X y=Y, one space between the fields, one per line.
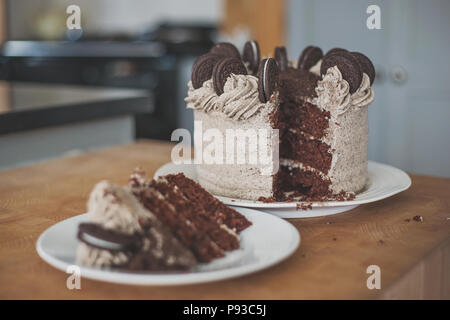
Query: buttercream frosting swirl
x=333 y=93
x=203 y=98
x=238 y=101
x=364 y=95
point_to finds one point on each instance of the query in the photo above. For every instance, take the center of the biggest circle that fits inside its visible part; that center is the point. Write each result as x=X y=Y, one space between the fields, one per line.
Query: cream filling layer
x=300 y=165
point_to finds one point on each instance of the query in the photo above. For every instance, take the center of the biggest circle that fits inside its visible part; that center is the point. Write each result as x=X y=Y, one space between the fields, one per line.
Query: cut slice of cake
x=195 y=217
x=170 y=223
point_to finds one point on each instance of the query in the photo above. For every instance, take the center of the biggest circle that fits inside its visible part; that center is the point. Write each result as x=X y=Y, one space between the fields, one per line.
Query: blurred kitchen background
x=123 y=76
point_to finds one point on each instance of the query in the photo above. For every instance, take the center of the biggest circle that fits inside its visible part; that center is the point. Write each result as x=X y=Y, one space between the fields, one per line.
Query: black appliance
x=152 y=60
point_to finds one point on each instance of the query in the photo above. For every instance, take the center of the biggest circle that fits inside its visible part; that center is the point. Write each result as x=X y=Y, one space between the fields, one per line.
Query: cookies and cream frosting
x=115 y=208
x=333 y=93
x=239 y=100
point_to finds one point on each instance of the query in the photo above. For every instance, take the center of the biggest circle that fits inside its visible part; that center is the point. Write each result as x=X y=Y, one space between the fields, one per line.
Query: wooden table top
x=331 y=262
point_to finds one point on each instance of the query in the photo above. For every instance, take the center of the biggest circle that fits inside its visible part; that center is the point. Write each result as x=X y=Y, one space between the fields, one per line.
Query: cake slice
x=195 y=217
x=170 y=223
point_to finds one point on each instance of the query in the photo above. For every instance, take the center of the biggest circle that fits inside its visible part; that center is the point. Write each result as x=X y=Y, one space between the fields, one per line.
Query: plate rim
x=255 y=204
x=142 y=279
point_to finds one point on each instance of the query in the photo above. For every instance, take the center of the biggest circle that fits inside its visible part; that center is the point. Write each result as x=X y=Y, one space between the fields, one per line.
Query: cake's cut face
x=319 y=105
x=167 y=224
x=199 y=220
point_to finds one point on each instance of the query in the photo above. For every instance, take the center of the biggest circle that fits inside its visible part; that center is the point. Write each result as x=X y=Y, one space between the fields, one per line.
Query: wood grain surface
x=331 y=262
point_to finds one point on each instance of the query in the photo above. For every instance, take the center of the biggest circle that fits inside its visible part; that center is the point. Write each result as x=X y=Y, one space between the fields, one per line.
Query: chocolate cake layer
x=302 y=127
x=302 y=183
x=194 y=212
x=304 y=116
x=200 y=221
x=203 y=247
x=222 y=213
x=295 y=145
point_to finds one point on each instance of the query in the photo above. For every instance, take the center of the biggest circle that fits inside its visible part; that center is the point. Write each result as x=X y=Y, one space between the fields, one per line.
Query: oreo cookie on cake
x=251 y=56
x=223 y=69
x=268 y=73
x=280 y=56
x=202 y=69
x=347 y=64
x=225 y=49
x=309 y=57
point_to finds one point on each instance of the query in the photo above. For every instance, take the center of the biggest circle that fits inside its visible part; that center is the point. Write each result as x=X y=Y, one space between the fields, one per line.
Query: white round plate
x=384 y=181
x=268 y=241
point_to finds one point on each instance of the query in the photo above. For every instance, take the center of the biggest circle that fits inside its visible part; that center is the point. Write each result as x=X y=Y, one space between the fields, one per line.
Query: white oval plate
x=384 y=181
x=268 y=241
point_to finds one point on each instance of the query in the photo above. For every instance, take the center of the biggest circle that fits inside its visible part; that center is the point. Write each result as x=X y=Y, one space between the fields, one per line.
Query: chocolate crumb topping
x=296 y=85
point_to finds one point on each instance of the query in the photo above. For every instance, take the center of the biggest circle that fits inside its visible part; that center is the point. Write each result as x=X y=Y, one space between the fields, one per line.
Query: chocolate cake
x=318 y=104
x=167 y=224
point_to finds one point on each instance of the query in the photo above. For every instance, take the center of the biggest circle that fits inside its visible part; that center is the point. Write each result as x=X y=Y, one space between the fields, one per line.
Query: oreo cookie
x=222 y=71
x=365 y=64
x=281 y=58
x=109 y=239
x=268 y=73
x=347 y=65
x=335 y=50
x=202 y=69
x=309 y=57
x=251 y=55
x=225 y=49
